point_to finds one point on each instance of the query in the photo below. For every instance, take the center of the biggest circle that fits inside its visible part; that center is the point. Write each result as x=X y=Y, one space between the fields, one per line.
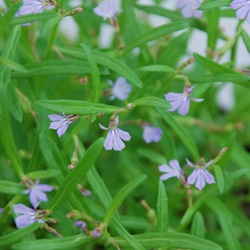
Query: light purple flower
x=37 y=193
x=96 y=233
x=171 y=170
x=107 y=9
x=120 y=89
x=1 y=210
x=61 y=123
x=243 y=9
x=151 y=134
x=189 y=8
x=34 y=6
x=84 y=191
x=181 y=101
x=26 y=217
x=115 y=136
x=82 y=225
x=200 y=175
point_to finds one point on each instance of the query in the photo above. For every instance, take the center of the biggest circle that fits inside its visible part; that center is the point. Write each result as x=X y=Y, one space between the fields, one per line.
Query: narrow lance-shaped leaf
x=219 y=177
x=77 y=174
x=120 y=197
x=181 y=132
x=198 y=227
x=33 y=17
x=9 y=187
x=106 y=60
x=152 y=101
x=12 y=65
x=162 y=209
x=156 y=33
x=214 y=4
x=63 y=243
x=172 y=240
x=225 y=219
x=77 y=107
x=56 y=67
x=17 y=235
x=8 y=142
x=158 y=68
x=8 y=53
x=95 y=75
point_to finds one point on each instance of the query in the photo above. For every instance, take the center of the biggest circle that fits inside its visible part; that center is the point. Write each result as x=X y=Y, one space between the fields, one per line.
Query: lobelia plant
x=131 y=65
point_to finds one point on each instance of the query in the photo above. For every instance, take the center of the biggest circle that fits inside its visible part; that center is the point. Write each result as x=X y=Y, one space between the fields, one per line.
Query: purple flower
x=120 y=89
x=84 y=191
x=107 y=9
x=200 y=175
x=61 y=123
x=151 y=134
x=189 y=8
x=26 y=217
x=82 y=225
x=243 y=9
x=34 y=6
x=181 y=101
x=171 y=170
x=1 y=210
x=96 y=233
x=115 y=136
x=37 y=193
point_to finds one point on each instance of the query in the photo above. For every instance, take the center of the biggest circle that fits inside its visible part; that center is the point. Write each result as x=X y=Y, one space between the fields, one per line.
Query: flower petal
x=208 y=177
x=22 y=209
x=24 y=220
x=183 y=109
x=192 y=178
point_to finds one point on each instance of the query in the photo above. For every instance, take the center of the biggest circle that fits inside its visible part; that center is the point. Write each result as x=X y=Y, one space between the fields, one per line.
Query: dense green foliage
x=43 y=72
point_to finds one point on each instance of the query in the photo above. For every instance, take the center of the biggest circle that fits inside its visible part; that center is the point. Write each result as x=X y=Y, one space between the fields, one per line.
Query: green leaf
x=127 y=237
x=56 y=67
x=50 y=24
x=12 y=65
x=9 y=187
x=121 y=196
x=171 y=240
x=95 y=75
x=152 y=101
x=225 y=219
x=43 y=174
x=99 y=187
x=10 y=100
x=8 y=142
x=156 y=33
x=33 y=17
x=52 y=155
x=76 y=175
x=17 y=235
x=158 y=68
x=198 y=226
x=221 y=77
x=191 y=210
x=8 y=17
x=108 y=61
x=219 y=177
x=161 y=11
x=181 y=132
x=213 y=66
x=214 y=4
x=213 y=16
x=8 y=53
x=77 y=107
x=246 y=39
x=162 y=209
x=66 y=243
